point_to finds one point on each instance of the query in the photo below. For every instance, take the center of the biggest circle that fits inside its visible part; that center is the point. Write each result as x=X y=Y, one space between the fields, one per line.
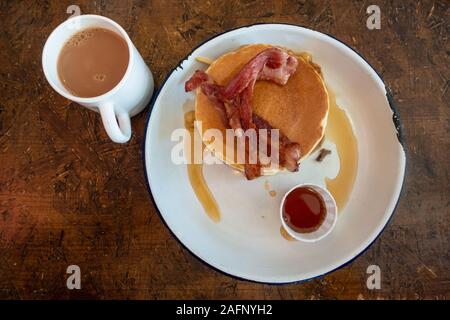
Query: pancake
x=299 y=108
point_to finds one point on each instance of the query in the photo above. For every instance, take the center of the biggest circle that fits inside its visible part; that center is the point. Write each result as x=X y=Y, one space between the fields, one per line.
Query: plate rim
x=395 y=118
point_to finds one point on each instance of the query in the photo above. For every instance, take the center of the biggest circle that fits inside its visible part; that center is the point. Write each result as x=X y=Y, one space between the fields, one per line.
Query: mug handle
x=116 y=122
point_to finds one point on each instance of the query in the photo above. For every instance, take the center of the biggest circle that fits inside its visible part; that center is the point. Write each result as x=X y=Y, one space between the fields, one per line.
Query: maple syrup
x=304 y=210
x=340 y=131
x=196 y=178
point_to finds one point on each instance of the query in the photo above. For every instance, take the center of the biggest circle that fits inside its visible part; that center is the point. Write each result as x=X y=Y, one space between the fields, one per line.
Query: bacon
x=252 y=171
x=290 y=155
x=199 y=77
x=233 y=100
x=289 y=152
x=245 y=107
x=228 y=110
x=272 y=64
x=280 y=75
x=212 y=91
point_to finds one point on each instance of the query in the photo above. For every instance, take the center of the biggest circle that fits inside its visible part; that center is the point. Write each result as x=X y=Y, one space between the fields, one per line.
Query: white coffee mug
x=129 y=97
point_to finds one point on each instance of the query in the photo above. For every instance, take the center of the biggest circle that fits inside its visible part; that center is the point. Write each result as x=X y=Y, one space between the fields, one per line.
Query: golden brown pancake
x=299 y=108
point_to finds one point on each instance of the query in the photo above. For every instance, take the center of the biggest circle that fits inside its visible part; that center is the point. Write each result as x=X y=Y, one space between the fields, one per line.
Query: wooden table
x=68 y=195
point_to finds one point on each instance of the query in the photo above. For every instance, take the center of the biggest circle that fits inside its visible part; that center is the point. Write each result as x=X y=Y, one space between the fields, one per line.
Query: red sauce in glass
x=304 y=210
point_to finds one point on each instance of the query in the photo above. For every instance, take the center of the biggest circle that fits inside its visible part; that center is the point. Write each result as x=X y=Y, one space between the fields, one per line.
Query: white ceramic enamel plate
x=246 y=243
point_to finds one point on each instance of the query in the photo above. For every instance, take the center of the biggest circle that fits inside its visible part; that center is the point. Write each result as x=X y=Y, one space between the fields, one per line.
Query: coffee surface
x=92 y=62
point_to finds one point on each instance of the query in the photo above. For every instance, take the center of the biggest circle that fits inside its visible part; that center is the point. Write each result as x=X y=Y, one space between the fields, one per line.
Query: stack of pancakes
x=299 y=108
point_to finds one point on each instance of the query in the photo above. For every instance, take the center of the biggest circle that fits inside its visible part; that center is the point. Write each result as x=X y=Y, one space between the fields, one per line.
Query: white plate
x=246 y=243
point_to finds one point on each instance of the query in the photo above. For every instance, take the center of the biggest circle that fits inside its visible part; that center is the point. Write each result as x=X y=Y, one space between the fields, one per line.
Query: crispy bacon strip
x=228 y=110
x=289 y=151
x=272 y=64
x=233 y=100
x=198 y=78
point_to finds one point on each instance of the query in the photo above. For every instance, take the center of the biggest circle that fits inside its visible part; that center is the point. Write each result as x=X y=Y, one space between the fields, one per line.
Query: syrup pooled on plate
x=340 y=131
x=304 y=210
x=195 y=173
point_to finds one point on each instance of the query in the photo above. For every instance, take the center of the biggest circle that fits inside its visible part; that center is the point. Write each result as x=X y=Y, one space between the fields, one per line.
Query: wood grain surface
x=68 y=195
